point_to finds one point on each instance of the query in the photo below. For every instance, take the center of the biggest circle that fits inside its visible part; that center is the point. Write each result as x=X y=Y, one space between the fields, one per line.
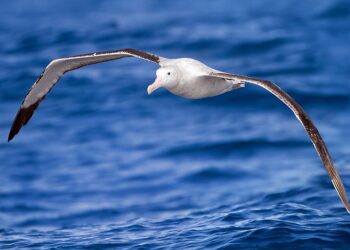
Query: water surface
x=103 y=165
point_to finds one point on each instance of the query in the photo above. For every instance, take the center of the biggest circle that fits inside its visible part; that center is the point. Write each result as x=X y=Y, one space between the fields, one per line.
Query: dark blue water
x=103 y=165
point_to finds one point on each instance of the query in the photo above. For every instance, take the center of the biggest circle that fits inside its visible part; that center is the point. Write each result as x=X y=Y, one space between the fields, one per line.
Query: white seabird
x=184 y=77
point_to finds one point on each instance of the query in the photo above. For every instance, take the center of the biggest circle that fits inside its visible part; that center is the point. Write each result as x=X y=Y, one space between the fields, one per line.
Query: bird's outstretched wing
x=305 y=121
x=56 y=69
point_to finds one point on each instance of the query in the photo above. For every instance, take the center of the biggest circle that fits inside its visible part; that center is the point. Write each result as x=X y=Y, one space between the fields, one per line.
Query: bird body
x=184 y=77
x=195 y=81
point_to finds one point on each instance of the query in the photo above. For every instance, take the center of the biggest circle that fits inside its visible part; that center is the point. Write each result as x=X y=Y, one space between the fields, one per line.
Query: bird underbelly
x=203 y=89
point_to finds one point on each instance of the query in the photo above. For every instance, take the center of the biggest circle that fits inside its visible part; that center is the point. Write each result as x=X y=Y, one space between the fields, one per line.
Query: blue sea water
x=102 y=165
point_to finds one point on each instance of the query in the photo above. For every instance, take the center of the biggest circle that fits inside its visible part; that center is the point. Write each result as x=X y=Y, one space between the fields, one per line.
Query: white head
x=167 y=77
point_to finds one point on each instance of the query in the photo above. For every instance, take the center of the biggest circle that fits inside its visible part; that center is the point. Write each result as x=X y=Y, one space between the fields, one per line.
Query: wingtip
x=347 y=207
x=14 y=130
x=22 y=117
x=17 y=124
x=10 y=136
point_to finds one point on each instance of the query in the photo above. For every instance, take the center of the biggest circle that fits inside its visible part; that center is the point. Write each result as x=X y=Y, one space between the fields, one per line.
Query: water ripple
x=105 y=166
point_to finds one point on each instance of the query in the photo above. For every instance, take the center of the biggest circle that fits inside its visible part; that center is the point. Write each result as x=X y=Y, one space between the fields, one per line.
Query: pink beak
x=151 y=88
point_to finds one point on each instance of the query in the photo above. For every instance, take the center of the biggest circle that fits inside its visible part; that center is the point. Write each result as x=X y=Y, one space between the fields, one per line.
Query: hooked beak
x=151 y=88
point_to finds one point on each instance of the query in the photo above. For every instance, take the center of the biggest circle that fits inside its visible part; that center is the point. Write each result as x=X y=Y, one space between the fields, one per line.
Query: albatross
x=184 y=77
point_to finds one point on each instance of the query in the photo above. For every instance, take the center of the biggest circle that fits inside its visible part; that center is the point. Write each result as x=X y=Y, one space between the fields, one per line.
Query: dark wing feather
x=22 y=118
x=56 y=69
x=305 y=120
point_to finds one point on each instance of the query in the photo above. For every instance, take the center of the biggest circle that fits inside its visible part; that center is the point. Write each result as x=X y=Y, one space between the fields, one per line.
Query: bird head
x=167 y=77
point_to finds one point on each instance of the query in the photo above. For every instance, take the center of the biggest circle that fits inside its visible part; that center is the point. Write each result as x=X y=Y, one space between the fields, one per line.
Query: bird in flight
x=184 y=77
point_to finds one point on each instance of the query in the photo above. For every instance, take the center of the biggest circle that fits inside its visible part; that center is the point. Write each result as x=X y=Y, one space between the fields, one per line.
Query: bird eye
x=168 y=73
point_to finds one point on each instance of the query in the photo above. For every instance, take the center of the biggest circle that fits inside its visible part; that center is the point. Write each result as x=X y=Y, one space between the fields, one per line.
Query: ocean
x=102 y=165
